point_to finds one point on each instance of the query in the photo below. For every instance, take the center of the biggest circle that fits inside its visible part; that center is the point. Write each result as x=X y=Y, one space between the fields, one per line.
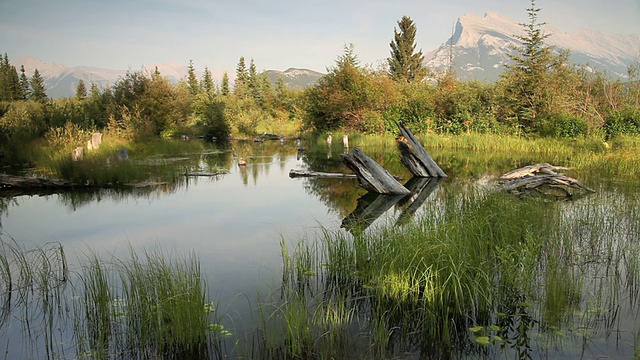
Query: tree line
x=539 y=93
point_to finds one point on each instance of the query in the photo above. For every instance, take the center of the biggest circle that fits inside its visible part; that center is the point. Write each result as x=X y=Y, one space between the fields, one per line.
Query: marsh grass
x=479 y=274
x=34 y=281
x=151 y=306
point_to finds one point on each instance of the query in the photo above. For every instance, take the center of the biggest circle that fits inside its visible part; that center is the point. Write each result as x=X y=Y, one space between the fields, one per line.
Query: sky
x=130 y=34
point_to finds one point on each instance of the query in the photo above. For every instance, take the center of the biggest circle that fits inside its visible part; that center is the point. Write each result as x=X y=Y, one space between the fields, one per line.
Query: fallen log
x=293 y=173
x=22 y=182
x=371 y=175
x=415 y=157
x=533 y=170
x=543 y=179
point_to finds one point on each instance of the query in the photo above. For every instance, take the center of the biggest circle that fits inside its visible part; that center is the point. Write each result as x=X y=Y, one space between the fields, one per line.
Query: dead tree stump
x=371 y=175
x=415 y=157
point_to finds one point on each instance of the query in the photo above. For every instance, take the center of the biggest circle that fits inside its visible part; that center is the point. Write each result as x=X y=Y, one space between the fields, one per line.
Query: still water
x=235 y=222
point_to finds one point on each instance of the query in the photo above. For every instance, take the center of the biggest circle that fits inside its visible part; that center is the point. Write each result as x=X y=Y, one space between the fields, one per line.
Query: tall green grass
x=145 y=307
x=479 y=274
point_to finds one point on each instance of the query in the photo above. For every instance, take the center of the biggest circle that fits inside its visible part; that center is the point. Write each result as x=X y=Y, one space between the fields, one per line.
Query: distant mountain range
x=477 y=49
x=62 y=81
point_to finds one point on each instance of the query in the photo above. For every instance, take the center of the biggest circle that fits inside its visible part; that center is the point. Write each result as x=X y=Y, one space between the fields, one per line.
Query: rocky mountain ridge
x=479 y=46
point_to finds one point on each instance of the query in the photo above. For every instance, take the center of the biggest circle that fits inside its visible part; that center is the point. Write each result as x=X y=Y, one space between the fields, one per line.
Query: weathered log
x=371 y=175
x=532 y=170
x=293 y=173
x=542 y=179
x=13 y=181
x=415 y=157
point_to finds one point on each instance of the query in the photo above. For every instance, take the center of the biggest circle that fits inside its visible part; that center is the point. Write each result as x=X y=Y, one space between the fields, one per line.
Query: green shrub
x=563 y=126
x=624 y=122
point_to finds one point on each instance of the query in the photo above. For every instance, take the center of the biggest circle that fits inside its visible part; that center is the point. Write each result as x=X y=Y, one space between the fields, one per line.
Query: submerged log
x=22 y=182
x=543 y=179
x=415 y=157
x=293 y=173
x=371 y=175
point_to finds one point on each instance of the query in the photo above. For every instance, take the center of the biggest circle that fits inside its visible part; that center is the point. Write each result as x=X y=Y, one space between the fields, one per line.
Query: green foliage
x=37 y=92
x=81 y=90
x=210 y=116
x=563 y=126
x=405 y=64
x=623 y=122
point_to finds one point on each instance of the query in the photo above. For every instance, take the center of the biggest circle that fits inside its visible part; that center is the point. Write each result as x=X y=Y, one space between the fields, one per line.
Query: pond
x=235 y=224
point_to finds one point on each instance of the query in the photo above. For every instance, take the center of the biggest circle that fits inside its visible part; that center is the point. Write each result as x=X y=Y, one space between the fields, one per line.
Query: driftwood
x=371 y=175
x=22 y=182
x=293 y=173
x=415 y=157
x=543 y=179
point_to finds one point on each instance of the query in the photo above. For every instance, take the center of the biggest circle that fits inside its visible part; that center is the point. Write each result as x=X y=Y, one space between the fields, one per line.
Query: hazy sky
x=127 y=34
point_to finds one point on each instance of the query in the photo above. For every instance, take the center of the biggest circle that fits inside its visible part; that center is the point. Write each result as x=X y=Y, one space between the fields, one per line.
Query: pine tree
x=38 y=92
x=225 y=84
x=405 y=64
x=207 y=81
x=241 y=78
x=81 y=90
x=192 y=80
x=24 y=83
x=527 y=75
x=348 y=57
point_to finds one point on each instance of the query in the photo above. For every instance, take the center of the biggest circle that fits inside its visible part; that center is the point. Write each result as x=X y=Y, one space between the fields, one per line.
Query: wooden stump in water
x=371 y=175
x=415 y=157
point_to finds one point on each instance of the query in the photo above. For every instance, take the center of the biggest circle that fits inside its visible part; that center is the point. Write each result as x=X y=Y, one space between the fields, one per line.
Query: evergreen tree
x=81 y=90
x=24 y=83
x=225 y=84
x=207 y=81
x=38 y=91
x=254 y=85
x=405 y=64
x=348 y=57
x=526 y=77
x=241 y=78
x=9 y=81
x=192 y=80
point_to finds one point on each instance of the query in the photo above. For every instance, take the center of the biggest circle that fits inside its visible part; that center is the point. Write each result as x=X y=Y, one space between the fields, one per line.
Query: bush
x=563 y=126
x=625 y=122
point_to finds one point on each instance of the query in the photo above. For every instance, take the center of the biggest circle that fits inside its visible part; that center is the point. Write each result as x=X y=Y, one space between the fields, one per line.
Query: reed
x=478 y=274
x=145 y=306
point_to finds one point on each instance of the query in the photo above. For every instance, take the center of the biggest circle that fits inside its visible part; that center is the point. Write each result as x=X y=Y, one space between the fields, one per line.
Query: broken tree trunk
x=21 y=182
x=543 y=179
x=371 y=175
x=293 y=173
x=415 y=157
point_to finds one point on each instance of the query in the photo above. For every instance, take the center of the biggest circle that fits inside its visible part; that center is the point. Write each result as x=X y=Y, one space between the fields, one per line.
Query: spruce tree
x=241 y=78
x=225 y=84
x=81 y=90
x=527 y=75
x=38 y=91
x=405 y=64
x=24 y=83
x=207 y=81
x=192 y=80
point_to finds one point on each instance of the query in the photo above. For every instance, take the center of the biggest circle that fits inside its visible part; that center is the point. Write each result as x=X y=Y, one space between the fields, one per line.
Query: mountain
x=295 y=78
x=479 y=48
